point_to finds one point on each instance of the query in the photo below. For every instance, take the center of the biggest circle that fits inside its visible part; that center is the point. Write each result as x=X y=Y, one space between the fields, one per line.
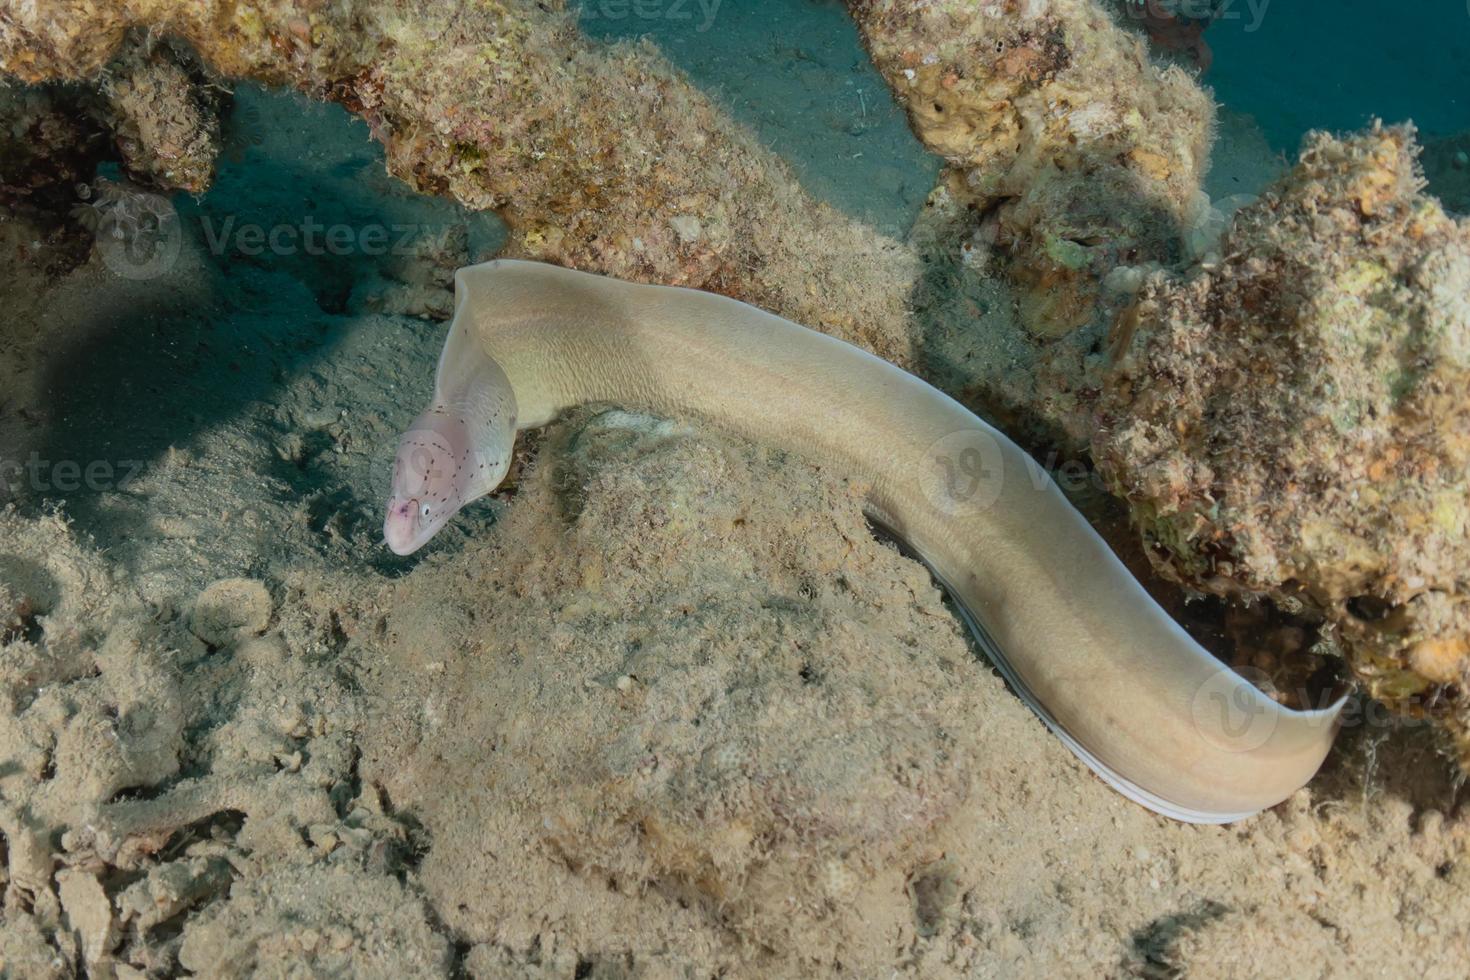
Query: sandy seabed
x=663 y=707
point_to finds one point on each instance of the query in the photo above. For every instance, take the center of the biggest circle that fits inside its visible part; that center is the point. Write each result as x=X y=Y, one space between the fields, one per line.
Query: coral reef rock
x=596 y=155
x=164 y=119
x=146 y=777
x=49 y=147
x=1071 y=153
x=1294 y=420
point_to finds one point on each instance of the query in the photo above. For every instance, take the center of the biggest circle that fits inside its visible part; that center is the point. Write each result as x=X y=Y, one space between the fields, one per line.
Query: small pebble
x=229 y=610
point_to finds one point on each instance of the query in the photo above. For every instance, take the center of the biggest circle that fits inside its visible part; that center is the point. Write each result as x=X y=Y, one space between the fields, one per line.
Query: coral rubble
x=1294 y=420
x=142 y=778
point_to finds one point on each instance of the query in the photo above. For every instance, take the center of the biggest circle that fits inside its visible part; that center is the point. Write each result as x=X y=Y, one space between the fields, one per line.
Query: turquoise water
x=1296 y=66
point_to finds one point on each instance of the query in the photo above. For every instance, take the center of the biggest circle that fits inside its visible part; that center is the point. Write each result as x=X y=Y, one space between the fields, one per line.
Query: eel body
x=1075 y=635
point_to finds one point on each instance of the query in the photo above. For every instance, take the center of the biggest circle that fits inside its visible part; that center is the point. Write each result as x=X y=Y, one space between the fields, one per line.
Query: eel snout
x=431 y=475
x=401 y=528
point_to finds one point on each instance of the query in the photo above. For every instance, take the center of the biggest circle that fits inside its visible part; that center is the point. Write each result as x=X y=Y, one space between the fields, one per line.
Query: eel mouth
x=401 y=532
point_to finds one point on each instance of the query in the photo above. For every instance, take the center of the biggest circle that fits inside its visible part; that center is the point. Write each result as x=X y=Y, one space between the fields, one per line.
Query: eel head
x=439 y=468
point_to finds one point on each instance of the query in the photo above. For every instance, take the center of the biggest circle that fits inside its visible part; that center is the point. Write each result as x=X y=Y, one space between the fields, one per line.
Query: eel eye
x=424 y=511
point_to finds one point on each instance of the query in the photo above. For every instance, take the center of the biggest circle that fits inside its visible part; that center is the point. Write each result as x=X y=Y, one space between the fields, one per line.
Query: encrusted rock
x=588 y=151
x=1070 y=154
x=171 y=888
x=1294 y=422
x=335 y=920
x=165 y=124
x=88 y=912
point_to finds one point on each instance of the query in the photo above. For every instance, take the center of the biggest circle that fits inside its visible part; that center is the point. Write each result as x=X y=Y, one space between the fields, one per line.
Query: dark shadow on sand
x=158 y=362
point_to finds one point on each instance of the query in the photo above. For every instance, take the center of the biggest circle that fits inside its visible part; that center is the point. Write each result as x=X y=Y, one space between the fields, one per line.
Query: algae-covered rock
x=595 y=155
x=1294 y=421
x=164 y=120
x=49 y=146
x=1058 y=127
x=148 y=111
x=1070 y=154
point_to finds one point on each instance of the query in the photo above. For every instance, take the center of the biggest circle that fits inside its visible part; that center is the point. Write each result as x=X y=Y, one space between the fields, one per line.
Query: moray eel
x=1074 y=634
